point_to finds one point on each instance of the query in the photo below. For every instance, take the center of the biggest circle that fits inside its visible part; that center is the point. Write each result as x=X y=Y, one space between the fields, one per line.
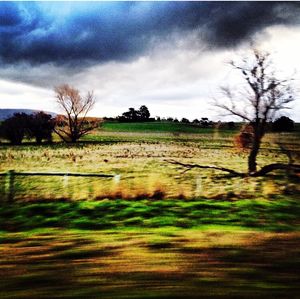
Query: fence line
x=10 y=176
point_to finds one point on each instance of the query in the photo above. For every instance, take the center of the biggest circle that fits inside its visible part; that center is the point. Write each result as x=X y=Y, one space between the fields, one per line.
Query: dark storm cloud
x=81 y=33
x=232 y=23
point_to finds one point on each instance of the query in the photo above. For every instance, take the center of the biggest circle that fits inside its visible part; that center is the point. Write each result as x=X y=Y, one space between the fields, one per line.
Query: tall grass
x=144 y=170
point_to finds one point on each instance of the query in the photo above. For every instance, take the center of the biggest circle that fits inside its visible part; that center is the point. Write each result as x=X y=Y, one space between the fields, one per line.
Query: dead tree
x=73 y=124
x=264 y=95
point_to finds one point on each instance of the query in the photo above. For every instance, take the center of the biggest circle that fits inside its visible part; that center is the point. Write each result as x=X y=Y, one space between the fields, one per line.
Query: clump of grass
x=158 y=194
x=270 y=188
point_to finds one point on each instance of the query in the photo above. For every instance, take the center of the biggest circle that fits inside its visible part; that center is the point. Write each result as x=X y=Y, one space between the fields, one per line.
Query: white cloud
x=20 y=95
x=172 y=80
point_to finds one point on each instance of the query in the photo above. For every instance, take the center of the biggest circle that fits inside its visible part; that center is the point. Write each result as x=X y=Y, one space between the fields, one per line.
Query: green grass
x=162 y=126
x=279 y=214
x=157 y=263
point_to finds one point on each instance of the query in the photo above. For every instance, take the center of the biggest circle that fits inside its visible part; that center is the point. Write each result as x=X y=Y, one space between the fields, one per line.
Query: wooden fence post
x=199 y=186
x=66 y=185
x=117 y=178
x=10 y=177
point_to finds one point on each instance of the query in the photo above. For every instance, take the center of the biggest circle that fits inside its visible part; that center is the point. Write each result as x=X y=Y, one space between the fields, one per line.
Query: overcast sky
x=169 y=56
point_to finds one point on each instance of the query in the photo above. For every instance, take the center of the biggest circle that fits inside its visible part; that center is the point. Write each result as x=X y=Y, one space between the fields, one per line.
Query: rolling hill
x=6 y=113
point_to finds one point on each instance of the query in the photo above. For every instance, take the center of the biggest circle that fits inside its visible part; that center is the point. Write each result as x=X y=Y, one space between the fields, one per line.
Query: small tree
x=133 y=115
x=231 y=125
x=74 y=123
x=185 y=120
x=14 y=128
x=204 y=122
x=40 y=126
x=283 y=124
x=143 y=113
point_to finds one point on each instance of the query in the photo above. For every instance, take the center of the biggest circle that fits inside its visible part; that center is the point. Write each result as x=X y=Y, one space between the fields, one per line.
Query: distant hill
x=6 y=113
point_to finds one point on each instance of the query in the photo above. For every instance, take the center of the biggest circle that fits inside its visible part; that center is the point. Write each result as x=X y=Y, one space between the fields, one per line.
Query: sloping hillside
x=6 y=113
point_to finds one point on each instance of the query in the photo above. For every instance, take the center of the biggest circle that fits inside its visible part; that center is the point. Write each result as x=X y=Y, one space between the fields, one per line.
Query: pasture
x=154 y=230
x=141 y=161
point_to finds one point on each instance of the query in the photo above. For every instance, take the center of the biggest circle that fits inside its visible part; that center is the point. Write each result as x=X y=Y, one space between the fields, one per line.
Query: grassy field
x=141 y=161
x=163 y=126
x=153 y=231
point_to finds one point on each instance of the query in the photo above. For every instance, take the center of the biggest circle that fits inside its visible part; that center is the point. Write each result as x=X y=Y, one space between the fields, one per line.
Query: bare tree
x=74 y=123
x=264 y=95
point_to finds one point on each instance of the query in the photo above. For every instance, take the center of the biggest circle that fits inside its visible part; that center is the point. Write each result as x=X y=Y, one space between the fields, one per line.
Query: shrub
x=283 y=124
x=40 y=126
x=14 y=128
x=245 y=137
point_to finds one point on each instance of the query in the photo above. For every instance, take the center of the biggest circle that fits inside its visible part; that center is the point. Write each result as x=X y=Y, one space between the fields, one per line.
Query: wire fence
x=11 y=185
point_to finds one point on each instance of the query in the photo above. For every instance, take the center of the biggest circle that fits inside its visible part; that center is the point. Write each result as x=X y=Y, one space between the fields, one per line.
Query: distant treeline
x=143 y=115
x=283 y=123
x=38 y=125
x=133 y=115
x=41 y=126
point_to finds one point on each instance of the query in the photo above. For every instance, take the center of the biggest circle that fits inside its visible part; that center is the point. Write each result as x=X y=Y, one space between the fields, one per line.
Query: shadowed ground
x=157 y=263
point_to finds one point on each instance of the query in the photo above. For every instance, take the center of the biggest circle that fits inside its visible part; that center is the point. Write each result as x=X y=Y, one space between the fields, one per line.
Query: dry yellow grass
x=143 y=168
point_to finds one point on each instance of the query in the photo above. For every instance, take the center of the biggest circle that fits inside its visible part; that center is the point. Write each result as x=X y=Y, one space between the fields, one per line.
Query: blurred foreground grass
x=157 y=263
x=156 y=233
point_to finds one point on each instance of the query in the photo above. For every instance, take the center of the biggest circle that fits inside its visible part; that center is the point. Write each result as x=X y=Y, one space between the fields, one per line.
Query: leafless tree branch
x=191 y=166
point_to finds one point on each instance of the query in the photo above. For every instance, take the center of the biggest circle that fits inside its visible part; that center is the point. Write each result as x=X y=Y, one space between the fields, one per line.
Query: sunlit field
x=152 y=230
x=140 y=161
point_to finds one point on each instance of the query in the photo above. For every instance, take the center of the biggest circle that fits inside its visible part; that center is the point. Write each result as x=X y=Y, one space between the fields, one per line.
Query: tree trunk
x=254 y=152
x=74 y=139
x=252 y=161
